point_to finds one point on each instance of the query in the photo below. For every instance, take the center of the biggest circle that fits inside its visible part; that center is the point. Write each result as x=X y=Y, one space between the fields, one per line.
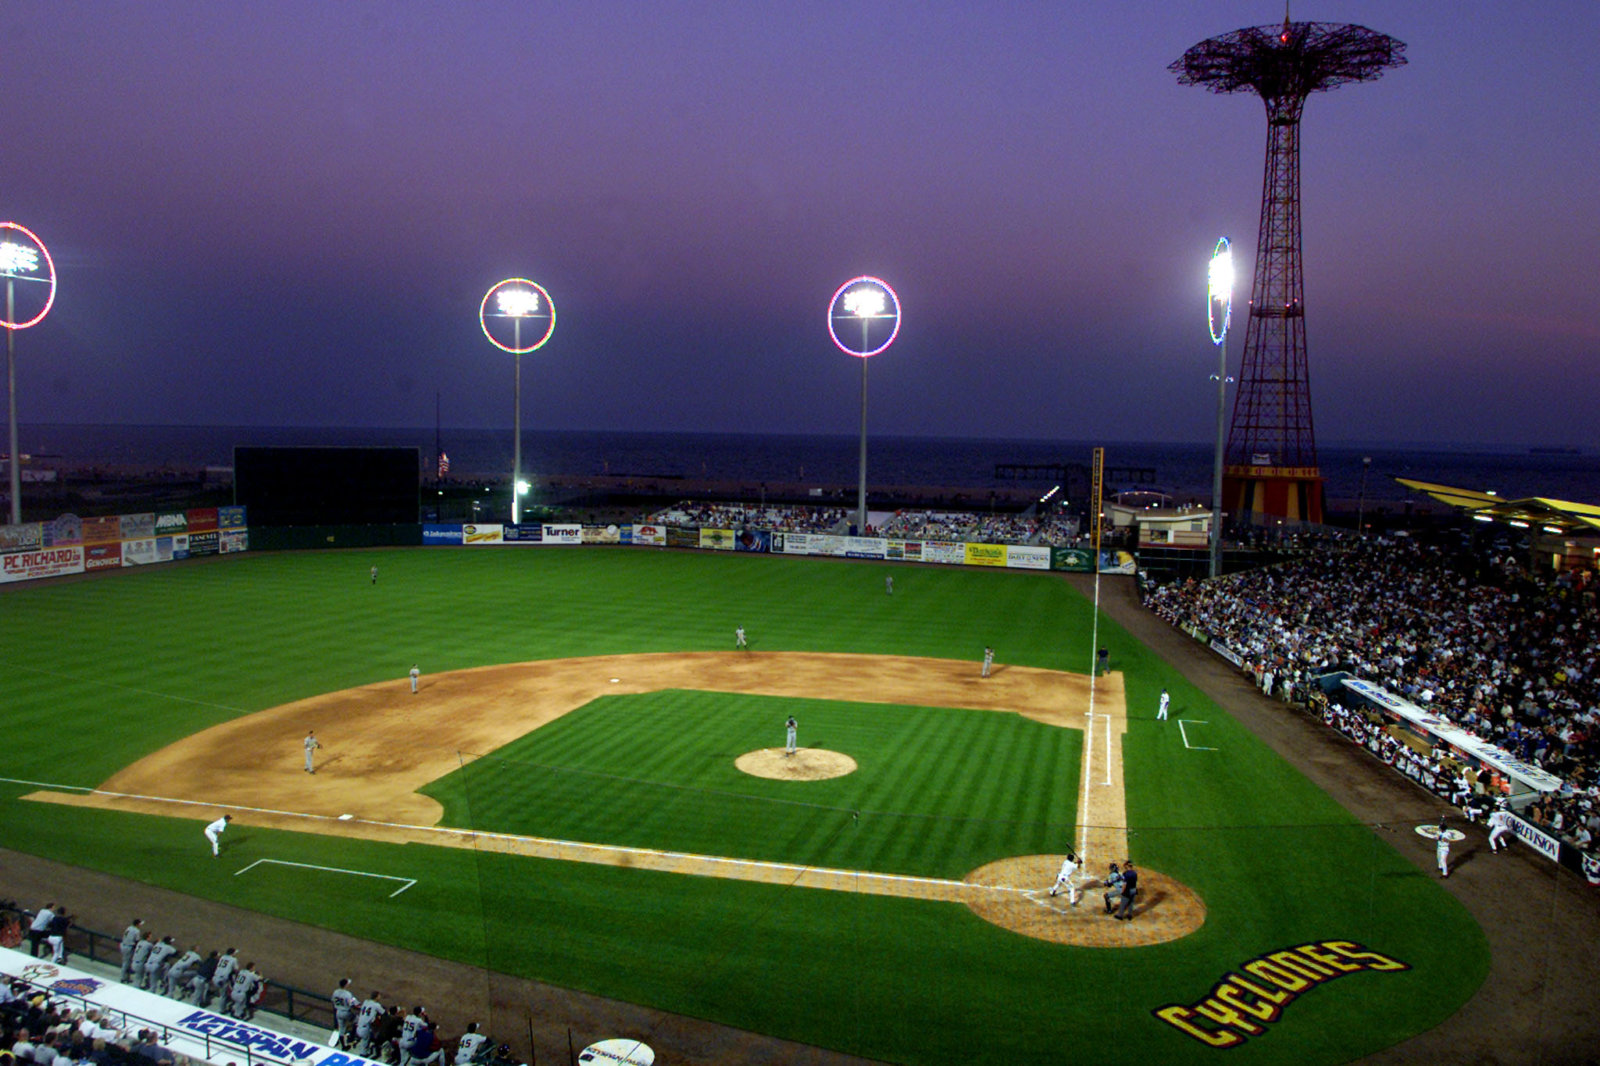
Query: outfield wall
x=777 y=542
x=72 y=545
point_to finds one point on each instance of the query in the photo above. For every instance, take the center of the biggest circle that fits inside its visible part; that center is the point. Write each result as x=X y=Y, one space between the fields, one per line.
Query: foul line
x=479 y=834
x=409 y=881
x=130 y=688
x=1185 y=732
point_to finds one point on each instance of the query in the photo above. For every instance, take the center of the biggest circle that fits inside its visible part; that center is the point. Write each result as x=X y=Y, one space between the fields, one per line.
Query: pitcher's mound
x=1165 y=910
x=806 y=764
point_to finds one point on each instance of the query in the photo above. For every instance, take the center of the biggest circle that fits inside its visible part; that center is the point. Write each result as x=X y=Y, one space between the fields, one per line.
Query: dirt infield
x=382 y=743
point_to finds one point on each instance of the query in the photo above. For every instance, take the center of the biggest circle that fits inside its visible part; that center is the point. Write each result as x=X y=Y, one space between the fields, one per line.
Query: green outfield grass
x=103 y=671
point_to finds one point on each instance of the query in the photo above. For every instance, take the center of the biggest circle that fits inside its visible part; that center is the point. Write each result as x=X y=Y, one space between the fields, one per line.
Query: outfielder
x=1068 y=878
x=1499 y=827
x=1161 y=709
x=738 y=638
x=792 y=729
x=312 y=744
x=216 y=829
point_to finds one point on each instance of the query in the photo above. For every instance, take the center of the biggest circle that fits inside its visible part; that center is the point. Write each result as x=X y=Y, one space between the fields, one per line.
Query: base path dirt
x=383 y=743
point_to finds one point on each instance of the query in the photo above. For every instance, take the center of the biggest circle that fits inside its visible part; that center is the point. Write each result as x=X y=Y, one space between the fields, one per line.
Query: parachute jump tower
x=1271 y=467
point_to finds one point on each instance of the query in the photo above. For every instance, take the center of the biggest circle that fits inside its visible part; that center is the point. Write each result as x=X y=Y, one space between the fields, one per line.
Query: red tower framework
x=1271 y=460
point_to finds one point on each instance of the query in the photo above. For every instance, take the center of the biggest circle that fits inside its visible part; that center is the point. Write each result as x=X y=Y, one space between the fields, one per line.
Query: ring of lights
x=837 y=311
x=49 y=266
x=1219 y=289
x=484 y=315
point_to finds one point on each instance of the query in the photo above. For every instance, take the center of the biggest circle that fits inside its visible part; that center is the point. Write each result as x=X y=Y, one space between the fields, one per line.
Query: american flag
x=444 y=464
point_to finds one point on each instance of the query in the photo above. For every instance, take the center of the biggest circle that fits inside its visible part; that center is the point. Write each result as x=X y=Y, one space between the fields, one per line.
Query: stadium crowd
x=36 y=1029
x=958 y=526
x=1460 y=628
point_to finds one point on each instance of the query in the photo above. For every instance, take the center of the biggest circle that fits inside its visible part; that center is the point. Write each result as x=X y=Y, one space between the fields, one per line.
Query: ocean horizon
x=1180 y=469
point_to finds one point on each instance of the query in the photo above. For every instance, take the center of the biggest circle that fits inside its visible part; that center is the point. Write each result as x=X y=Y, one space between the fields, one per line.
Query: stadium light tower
x=871 y=304
x=1272 y=454
x=20 y=251
x=1219 y=314
x=517 y=299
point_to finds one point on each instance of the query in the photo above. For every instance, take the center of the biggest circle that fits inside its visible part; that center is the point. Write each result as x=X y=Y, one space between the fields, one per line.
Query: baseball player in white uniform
x=988 y=660
x=1441 y=851
x=1068 y=878
x=738 y=638
x=791 y=730
x=1161 y=708
x=1499 y=827
x=471 y=1046
x=345 y=1005
x=216 y=829
x=415 y=673
x=312 y=744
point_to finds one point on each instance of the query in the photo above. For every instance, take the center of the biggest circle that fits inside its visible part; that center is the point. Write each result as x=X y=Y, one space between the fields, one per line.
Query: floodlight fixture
x=518 y=299
x=517 y=303
x=870 y=302
x=1219 y=291
x=1219 y=312
x=17 y=259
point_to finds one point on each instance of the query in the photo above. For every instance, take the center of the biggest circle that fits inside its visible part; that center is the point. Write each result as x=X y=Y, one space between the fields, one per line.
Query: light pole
x=19 y=261
x=1219 y=312
x=517 y=299
x=1361 y=497
x=868 y=302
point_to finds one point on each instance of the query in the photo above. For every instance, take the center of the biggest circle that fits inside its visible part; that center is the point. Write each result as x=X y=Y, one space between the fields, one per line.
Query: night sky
x=286 y=213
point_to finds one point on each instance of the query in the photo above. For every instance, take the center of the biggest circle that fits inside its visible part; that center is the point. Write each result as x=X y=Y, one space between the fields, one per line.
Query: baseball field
x=589 y=788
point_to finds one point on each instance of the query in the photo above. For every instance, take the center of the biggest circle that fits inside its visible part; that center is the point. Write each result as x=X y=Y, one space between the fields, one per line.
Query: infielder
x=988 y=660
x=1499 y=826
x=216 y=829
x=415 y=673
x=1161 y=709
x=738 y=638
x=312 y=744
x=1068 y=877
x=791 y=728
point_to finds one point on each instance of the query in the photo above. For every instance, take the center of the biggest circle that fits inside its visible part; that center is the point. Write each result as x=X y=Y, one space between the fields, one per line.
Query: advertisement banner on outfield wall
x=138 y=527
x=180 y=546
x=562 y=534
x=204 y=543
x=201 y=519
x=139 y=552
x=230 y=518
x=46 y=562
x=984 y=555
x=432 y=533
x=230 y=540
x=909 y=550
x=602 y=535
x=102 y=556
x=1116 y=562
x=163 y=549
x=865 y=547
x=524 y=533
x=1027 y=557
x=103 y=530
x=24 y=537
x=789 y=543
x=170 y=523
x=66 y=529
x=650 y=536
x=682 y=537
x=482 y=533
x=753 y=540
x=1076 y=560
x=716 y=539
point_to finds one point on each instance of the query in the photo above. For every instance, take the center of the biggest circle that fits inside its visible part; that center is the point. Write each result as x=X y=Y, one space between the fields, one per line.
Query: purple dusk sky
x=284 y=212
